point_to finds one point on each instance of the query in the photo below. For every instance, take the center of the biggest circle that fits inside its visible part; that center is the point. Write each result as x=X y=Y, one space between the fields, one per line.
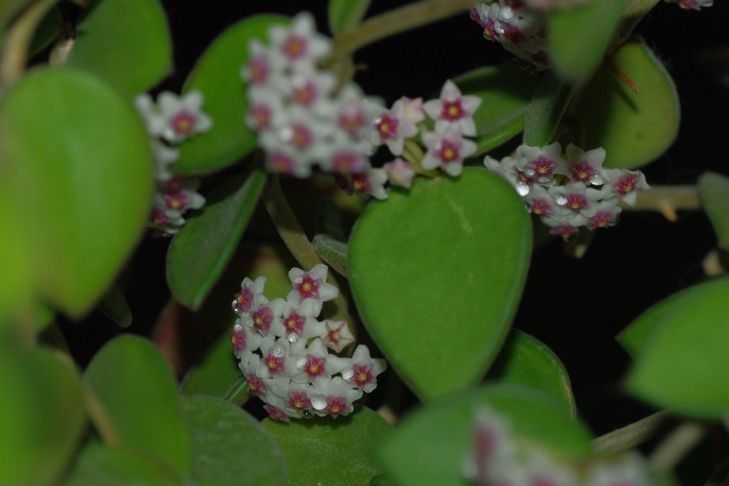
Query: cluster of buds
x=569 y=191
x=692 y=4
x=170 y=122
x=283 y=350
x=499 y=458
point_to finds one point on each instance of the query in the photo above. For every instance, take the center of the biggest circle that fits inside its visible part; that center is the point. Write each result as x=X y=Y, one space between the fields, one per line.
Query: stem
x=17 y=41
x=396 y=21
x=621 y=75
x=675 y=447
x=629 y=436
x=666 y=200
x=100 y=417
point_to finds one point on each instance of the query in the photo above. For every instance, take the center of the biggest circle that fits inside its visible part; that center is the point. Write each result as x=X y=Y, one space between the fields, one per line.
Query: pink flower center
x=255 y=384
x=243 y=300
x=275 y=361
x=449 y=151
x=489 y=30
x=577 y=201
x=294 y=323
x=308 y=287
x=540 y=207
x=159 y=216
x=347 y=162
x=453 y=110
x=351 y=118
x=280 y=162
x=315 y=366
x=176 y=200
x=304 y=93
x=260 y=117
x=582 y=172
x=294 y=47
x=626 y=184
x=602 y=219
x=183 y=123
x=262 y=318
x=362 y=375
x=386 y=127
x=333 y=336
x=238 y=339
x=258 y=69
x=336 y=405
x=276 y=413
x=361 y=183
x=299 y=400
x=301 y=136
x=543 y=166
x=565 y=231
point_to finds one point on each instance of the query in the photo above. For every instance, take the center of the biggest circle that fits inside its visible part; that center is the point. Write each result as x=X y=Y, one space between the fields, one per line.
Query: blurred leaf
x=714 y=192
x=333 y=252
x=8 y=9
x=201 y=250
x=41 y=415
x=114 y=306
x=506 y=92
x=139 y=392
x=345 y=14
x=545 y=111
x=683 y=364
x=89 y=182
x=420 y=286
x=430 y=445
x=48 y=30
x=231 y=447
x=578 y=36
x=526 y=361
x=117 y=467
x=128 y=44
x=16 y=284
x=634 y=128
x=217 y=76
x=330 y=451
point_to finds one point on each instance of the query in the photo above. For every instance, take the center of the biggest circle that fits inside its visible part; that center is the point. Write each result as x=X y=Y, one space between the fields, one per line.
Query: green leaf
x=201 y=250
x=139 y=392
x=114 y=306
x=330 y=451
x=231 y=447
x=524 y=360
x=506 y=92
x=420 y=286
x=16 y=284
x=41 y=415
x=345 y=14
x=128 y=44
x=333 y=252
x=545 y=111
x=430 y=445
x=117 y=467
x=634 y=128
x=90 y=181
x=217 y=76
x=683 y=364
x=578 y=37
x=714 y=192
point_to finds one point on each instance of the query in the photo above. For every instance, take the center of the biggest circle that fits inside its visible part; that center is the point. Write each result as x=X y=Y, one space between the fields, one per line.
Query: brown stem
x=667 y=200
x=630 y=436
x=675 y=447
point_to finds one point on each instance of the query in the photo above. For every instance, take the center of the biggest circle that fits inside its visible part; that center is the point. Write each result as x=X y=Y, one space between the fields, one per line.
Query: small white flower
x=164 y=156
x=338 y=336
x=577 y=197
x=392 y=130
x=507 y=168
x=311 y=285
x=453 y=110
x=410 y=109
x=264 y=314
x=355 y=112
x=315 y=362
x=606 y=214
x=182 y=115
x=150 y=114
x=541 y=163
x=363 y=370
x=297 y=321
x=692 y=4
x=371 y=182
x=300 y=43
x=334 y=396
x=310 y=90
x=625 y=183
x=285 y=160
x=244 y=300
x=585 y=166
x=400 y=173
x=540 y=201
x=265 y=110
x=447 y=151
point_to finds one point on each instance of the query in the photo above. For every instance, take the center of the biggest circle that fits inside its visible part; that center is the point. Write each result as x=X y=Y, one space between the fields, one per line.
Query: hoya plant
x=353 y=242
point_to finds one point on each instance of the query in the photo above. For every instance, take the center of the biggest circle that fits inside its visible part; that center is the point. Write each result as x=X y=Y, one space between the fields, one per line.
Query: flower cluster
x=498 y=458
x=171 y=121
x=692 y=4
x=571 y=190
x=283 y=354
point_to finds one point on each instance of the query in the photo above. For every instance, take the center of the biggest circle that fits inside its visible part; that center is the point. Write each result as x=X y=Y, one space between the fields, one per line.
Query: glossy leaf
x=430 y=445
x=578 y=36
x=114 y=306
x=714 y=192
x=333 y=252
x=16 y=284
x=506 y=92
x=682 y=365
x=343 y=447
x=229 y=446
x=634 y=128
x=545 y=111
x=420 y=286
x=41 y=415
x=345 y=14
x=217 y=76
x=130 y=55
x=139 y=392
x=89 y=182
x=524 y=360
x=201 y=250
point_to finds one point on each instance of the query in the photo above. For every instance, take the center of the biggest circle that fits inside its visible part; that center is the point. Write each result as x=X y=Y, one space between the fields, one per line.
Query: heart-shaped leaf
x=130 y=55
x=524 y=360
x=714 y=191
x=437 y=274
x=333 y=252
x=345 y=14
x=545 y=111
x=41 y=415
x=506 y=92
x=139 y=392
x=231 y=447
x=201 y=250
x=330 y=451
x=682 y=366
x=217 y=76
x=430 y=445
x=90 y=181
x=633 y=128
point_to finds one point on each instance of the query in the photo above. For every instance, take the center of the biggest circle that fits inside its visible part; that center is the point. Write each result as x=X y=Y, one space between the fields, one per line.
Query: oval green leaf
x=682 y=366
x=545 y=111
x=577 y=37
x=524 y=360
x=217 y=76
x=714 y=192
x=333 y=252
x=506 y=92
x=345 y=14
x=430 y=445
x=90 y=181
x=201 y=250
x=437 y=274
x=330 y=451
x=133 y=54
x=41 y=415
x=633 y=128
x=139 y=392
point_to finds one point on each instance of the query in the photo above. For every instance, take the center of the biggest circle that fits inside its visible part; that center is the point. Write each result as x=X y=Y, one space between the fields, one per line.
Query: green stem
x=630 y=436
x=396 y=21
x=677 y=445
